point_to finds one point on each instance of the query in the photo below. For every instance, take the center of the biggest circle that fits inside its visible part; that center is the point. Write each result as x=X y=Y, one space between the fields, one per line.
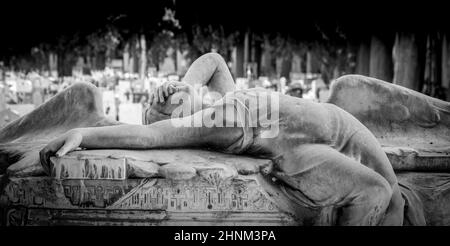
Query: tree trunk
x=257 y=57
x=53 y=63
x=308 y=63
x=433 y=67
x=126 y=58
x=267 y=67
x=406 y=61
x=239 y=61
x=381 y=59
x=246 y=50
x=296 y=64
x=175 y=58
x=143 y=57
x=133 y=61
x=286 y=68
x=445 y=67
x=63 y=65
x=363 y=59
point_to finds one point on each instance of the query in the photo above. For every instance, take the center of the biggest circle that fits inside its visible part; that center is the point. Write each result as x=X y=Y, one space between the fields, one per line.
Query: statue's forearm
x=158 y=135
x=123 y=136
x=172 y=133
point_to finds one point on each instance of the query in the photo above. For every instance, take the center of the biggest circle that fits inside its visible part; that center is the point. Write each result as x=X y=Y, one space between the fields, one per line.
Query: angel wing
x=403 y=120
x=80 y=105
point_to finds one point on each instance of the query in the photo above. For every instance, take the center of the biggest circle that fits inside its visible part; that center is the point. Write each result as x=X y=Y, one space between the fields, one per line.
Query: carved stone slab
x=148 y=163
x=408 y=159
x=433 y=192
x=179 y=187
x=151 y=201
x=180 y=164
x=71 y=167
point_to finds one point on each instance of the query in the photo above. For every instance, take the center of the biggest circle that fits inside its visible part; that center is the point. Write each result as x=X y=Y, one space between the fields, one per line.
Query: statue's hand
x=59 y=147
x=162 y=92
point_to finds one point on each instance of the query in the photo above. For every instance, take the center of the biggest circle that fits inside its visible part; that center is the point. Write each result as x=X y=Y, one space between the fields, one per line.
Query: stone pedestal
x=160 y=187
x=181 y=187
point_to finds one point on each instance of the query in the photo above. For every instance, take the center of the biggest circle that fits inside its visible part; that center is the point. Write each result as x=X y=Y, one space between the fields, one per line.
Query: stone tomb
x=155 y=187
x=180 y=187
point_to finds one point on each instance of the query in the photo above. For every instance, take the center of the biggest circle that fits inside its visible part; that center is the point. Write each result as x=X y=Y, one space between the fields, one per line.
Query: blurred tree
x=406 y=61
x=381 y=64
x=433 y=85
x=159 y=47
x=101 y=44
x=363 y=57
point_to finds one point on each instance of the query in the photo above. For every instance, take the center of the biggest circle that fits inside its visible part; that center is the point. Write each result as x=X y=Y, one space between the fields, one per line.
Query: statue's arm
x=208 y=70
x=212 y=71
x=172 y=133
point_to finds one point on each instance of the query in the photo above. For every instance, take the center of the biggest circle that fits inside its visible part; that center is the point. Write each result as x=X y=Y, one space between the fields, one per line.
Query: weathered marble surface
x=138 y=163
x=433 y=191
x=411 y=126
x=180 y=164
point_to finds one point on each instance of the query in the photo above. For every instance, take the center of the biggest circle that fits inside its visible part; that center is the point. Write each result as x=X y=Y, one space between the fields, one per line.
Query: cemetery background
x=129 y=51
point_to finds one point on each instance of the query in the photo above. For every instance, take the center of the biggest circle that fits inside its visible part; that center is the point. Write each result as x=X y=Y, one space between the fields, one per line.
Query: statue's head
x=179 y=104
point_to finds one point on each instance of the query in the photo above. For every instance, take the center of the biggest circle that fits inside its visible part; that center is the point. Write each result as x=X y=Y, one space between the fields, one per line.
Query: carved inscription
x=196 y=195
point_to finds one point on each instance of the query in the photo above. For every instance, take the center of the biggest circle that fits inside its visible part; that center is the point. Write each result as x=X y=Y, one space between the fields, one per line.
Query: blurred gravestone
x=109 y=104
x=37 y=97
x=130 y=113
x=6 y=115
